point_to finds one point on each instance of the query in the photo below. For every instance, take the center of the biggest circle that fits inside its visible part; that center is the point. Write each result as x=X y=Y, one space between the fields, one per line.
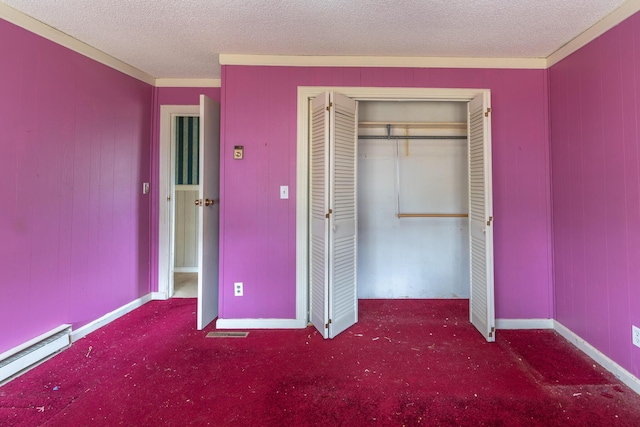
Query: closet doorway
x=413 y=233
x=410 y=205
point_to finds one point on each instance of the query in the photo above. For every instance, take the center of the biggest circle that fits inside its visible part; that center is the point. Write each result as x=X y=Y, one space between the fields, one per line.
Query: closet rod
x=411 y=137
x=432 y=215
x=397 y=137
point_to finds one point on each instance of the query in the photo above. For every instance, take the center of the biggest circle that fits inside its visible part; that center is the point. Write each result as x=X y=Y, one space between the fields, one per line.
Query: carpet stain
x=553 y=359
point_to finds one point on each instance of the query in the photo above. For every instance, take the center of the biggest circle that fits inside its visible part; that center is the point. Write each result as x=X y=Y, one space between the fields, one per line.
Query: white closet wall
x=412 y=257
x=186 y=228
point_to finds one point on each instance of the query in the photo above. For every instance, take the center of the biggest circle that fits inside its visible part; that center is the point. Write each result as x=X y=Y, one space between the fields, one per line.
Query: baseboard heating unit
x=30 y=353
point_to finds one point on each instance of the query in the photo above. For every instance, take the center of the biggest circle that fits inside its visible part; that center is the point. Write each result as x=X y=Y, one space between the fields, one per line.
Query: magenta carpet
x=407 y=362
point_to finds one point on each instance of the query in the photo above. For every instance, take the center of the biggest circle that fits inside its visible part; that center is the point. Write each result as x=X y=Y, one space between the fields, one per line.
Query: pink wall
x=595 y=99
x=74 y=151
x=258 y=234
x=166 y=96
x=184 y=95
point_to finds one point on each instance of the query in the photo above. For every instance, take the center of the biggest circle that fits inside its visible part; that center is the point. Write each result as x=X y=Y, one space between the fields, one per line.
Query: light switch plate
x=284 y=191
x=145 y=188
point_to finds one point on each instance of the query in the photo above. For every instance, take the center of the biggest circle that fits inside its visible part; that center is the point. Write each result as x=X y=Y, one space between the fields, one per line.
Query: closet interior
x=413 y=232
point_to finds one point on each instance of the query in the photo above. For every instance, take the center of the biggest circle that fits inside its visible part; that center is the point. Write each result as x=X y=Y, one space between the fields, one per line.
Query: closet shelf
x=415 y=125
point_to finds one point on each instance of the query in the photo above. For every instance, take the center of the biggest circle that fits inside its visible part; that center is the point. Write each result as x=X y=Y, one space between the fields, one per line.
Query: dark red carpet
x=407 y=362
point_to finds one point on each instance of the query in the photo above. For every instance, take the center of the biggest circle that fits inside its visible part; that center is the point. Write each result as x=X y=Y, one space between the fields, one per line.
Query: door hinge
x=490 y=221
x=326 y=325
x=329 y=106
x=486 y=113
x=493 y=329
x=330 y=212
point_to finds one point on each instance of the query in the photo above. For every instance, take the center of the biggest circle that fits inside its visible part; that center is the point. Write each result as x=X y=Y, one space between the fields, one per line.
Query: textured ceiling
x=182 y=38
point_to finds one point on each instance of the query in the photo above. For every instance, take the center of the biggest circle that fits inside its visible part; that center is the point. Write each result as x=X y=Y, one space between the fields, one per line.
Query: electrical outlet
x=635 y=335
x=237 y=289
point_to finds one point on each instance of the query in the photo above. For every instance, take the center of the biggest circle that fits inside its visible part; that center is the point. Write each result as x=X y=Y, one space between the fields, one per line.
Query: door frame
x=166 y=190
x=305 y=93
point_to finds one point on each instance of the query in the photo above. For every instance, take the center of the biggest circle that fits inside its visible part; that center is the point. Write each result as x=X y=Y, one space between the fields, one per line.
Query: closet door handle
x=198 y=202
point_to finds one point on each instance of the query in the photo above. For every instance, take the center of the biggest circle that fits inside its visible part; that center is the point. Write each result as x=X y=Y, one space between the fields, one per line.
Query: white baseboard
x=159 y=296
x=260 y=324
x=109 y=317
x=622 y=374
x=524 y=323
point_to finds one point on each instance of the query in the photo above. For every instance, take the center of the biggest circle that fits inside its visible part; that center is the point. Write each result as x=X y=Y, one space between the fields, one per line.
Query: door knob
x=198 y=202
x=209 y=202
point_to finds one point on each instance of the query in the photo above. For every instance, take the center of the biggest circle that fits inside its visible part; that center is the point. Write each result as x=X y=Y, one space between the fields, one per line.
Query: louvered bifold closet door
x=319 y=200
x=343 y=299
x=481 y=304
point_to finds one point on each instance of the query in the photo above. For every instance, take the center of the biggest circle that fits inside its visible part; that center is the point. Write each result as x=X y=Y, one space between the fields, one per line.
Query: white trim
x=302 y=160
x=302 y=207
x=18 y=18
x=524 y=323
x=382 y=61
x=159 y=296
x=625 y=11
x=622 y=374
x=43 y=30
x=33 y=341
x=165 y=189
x=109 y=317
x=260 y=324
x=391 y=93
x=171 y=82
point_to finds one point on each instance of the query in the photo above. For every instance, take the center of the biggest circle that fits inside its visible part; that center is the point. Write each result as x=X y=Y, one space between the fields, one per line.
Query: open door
x=481 y=304
x=319 y=200
x=333 y=184
x=209 y=211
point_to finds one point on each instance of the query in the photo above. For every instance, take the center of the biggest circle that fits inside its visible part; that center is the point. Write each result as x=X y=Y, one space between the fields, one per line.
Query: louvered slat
x=480 y=241
x=343 y=303
x=319 y=201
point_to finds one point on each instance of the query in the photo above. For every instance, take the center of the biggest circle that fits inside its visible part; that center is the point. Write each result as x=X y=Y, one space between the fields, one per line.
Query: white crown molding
x=625 y=11
x=33 y=25
x=382 y=61
x=605 y=24
x=170 y=82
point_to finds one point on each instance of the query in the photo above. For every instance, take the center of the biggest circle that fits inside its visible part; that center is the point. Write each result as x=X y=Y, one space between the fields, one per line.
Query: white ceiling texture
x=183 y=38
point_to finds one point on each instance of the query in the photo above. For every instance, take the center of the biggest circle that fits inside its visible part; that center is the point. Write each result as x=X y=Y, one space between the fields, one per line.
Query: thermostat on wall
x=238 y=152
